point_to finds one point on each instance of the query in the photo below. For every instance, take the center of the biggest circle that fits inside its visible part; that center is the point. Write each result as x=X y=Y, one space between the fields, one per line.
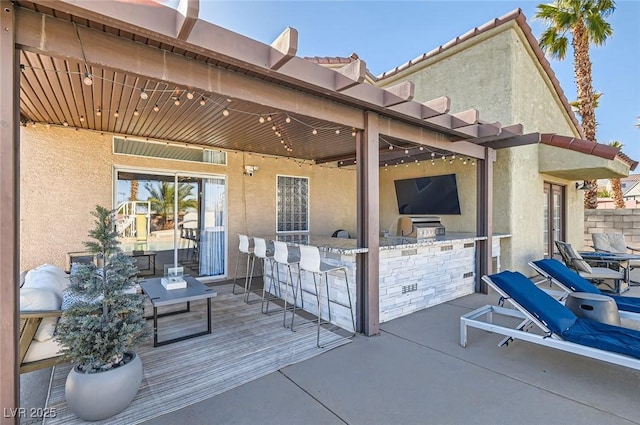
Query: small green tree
x=105 y=319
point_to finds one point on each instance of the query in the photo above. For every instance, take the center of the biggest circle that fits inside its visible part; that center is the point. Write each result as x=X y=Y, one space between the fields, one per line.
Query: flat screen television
x=428 y=195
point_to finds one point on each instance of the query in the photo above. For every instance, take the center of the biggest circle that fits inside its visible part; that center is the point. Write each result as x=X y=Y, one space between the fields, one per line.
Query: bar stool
x=243 y=248
x=282 y=256
x=264 y=254
x=310 y=262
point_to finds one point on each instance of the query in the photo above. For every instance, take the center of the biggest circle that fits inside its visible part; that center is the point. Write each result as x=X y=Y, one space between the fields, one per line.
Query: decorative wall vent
x=446 y=248
x=407 y=252
x=469 y=245
x=468 y=274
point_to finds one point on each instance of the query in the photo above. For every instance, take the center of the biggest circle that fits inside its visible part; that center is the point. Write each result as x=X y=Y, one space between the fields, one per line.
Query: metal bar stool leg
x=235 y=275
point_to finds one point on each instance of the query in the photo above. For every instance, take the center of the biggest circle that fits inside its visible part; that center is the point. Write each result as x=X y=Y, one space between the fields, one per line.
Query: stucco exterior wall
x=497 y=74
x=65 y=173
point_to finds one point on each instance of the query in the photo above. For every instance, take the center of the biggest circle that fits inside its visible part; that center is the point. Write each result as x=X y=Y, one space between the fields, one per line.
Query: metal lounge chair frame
x=548 y=339
x=594 y=272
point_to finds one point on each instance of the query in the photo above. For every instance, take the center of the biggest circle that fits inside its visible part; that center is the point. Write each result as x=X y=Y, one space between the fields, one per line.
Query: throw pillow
x=578 y=261
x=47 y=276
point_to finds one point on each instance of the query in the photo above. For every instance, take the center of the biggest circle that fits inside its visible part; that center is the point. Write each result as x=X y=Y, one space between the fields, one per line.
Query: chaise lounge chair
x=562 y=329
x=574 y=260
x=571 y=281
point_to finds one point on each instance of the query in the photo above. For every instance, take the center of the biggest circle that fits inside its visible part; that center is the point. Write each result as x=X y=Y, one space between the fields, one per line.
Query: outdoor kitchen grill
x=420 y=227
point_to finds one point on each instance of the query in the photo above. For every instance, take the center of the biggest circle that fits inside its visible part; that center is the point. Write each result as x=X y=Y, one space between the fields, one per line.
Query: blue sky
x=386 y=34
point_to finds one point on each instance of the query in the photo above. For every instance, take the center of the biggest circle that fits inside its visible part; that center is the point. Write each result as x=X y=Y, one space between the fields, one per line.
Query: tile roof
x=330 y=60
x=515 y=15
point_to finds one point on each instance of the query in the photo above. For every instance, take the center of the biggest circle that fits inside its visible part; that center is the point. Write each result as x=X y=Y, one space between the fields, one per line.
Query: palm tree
x=616 y=185
x=585 y=21
x=162 y=199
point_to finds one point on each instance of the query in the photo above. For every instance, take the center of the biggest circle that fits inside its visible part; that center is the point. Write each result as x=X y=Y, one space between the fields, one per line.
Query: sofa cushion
x=39 y=350
x=47 y=276
x=35 y=299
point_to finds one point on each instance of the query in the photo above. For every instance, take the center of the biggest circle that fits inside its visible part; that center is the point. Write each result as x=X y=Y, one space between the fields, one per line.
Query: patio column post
x=9 y=210
x=367 y=162
x=484 y=225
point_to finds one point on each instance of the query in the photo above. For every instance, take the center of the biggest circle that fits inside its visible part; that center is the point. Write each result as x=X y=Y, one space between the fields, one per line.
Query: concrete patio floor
x=415 y=372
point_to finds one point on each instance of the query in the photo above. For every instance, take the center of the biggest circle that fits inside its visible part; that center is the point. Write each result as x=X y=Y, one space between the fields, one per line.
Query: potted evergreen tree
x=101 y=326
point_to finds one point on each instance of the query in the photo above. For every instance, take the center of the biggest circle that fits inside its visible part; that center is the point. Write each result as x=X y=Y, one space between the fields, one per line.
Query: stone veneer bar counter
x=414 y=274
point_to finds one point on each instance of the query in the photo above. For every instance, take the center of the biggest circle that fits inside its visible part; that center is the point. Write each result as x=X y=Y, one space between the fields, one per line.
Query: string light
x=143 y=95
x=202 y=102
x=225 y=112
x=88 y=79
x=176 y=101
x=136 y=113
x=287 y=120
x=261 y=120
x=98 y=112
x=81 y=120
x=314 y=132
x=156 y=108
x=116 y=114
x=189 y=95
x=65 y=123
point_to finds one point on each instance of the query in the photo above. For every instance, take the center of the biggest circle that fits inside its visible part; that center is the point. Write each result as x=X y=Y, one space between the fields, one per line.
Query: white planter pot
x=96 y=396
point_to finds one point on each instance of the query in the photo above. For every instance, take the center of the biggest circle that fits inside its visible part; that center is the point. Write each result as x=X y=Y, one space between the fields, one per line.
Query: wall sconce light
x=585 y=186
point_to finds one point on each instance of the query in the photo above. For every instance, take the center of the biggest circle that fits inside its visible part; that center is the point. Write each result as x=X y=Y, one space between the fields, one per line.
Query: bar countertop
x=349 y=246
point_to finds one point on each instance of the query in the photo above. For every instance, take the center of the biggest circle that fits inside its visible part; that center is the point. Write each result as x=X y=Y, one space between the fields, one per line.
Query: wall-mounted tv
x=428 y=195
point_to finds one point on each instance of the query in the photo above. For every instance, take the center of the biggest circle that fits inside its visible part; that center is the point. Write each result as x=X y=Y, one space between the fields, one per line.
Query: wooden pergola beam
x=350 y=75
x=186 y=19
x=285 y=47
x=9 y=209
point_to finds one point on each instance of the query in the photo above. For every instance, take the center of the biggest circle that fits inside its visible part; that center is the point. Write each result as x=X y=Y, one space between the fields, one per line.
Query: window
x=292 y=204
x=154 y=149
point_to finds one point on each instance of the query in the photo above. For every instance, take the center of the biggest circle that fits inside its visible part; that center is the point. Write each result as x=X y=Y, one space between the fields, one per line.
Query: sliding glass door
x=168 y=218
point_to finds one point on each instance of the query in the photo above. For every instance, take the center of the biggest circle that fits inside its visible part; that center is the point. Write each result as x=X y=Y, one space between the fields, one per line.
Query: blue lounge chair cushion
x=554 y=315
x=563 y=322
x=604 y=337
x=577 y=283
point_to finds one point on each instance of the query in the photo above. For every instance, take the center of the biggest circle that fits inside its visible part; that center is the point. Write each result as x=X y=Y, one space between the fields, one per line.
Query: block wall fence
x=626 y=221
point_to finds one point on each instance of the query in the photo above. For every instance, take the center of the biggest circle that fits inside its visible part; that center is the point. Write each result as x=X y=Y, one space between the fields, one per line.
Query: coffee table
x=160 y=297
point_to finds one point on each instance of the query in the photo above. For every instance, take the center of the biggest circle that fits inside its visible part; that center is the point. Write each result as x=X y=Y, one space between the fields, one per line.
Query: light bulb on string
x=274 y=128
x=144 y=95
x=261 y=120
x=421 y=148
x=225 y=112
x=189 y=95
x=177 y=102
x=98 y=112
x=406 y=151
x=202 y=102
x=88 y=79
x=136 y=113
x=269 y=118
x=156 y=108
x=390 y=147
x=337 y=131
x=314 y=132
x=353 y=133
x=81 y=120
x=116 y=114
x=66 y=124
x=287 y=120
